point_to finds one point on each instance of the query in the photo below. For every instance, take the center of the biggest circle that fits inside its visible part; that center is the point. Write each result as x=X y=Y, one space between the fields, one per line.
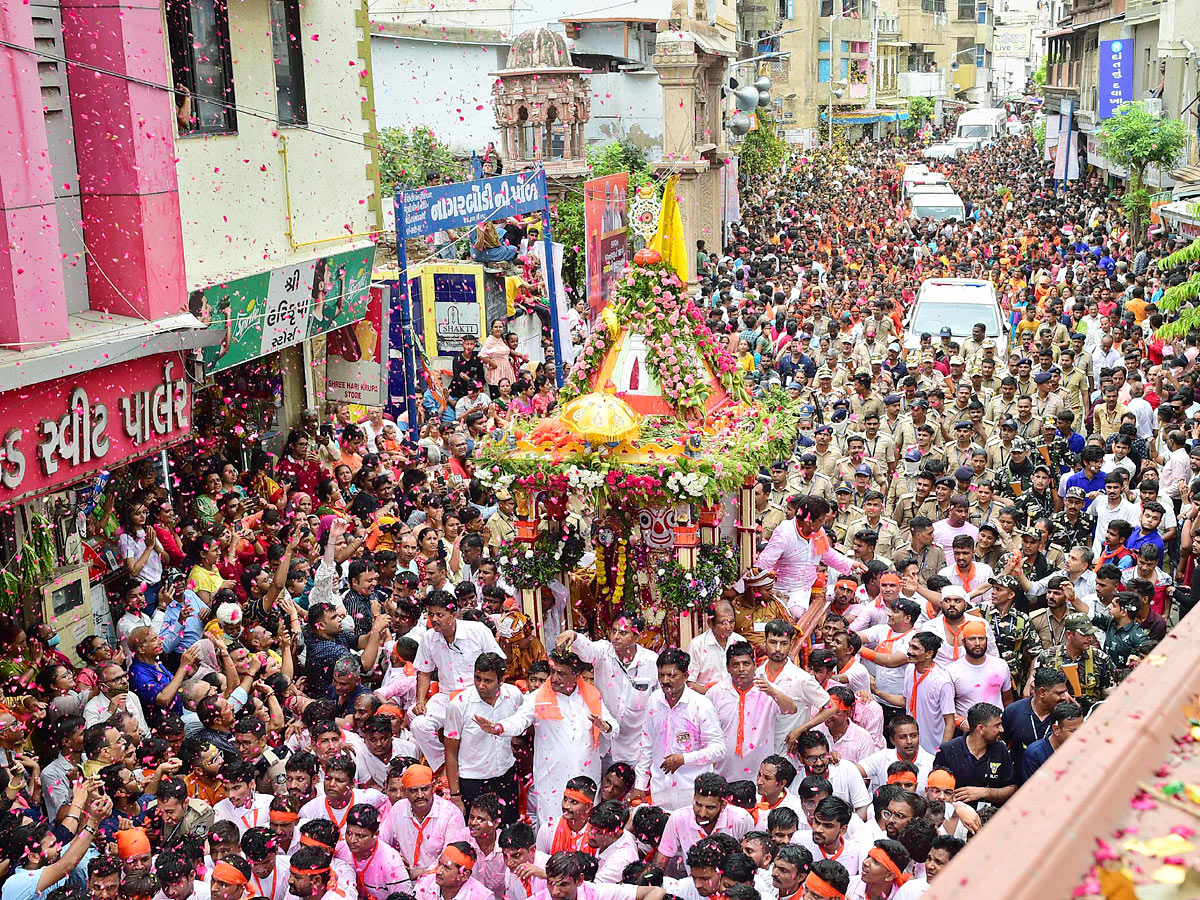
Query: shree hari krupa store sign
x=55 y=433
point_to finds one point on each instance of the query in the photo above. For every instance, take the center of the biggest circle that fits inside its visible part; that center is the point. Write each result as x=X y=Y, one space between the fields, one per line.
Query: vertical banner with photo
x=606 y=229
x=356 y=355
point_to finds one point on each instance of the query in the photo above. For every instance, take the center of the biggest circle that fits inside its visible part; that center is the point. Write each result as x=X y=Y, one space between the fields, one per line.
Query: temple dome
x=539 y=48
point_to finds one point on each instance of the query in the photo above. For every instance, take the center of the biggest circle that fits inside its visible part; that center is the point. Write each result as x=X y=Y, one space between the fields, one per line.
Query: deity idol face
x=655 y=524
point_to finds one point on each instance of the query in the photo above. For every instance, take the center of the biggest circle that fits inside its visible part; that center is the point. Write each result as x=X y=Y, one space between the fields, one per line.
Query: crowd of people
x=320 y=687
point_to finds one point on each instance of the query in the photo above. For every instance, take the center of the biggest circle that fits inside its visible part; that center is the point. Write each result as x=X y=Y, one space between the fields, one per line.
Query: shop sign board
x=56 y=433
x=271 y=310
x=356 y=355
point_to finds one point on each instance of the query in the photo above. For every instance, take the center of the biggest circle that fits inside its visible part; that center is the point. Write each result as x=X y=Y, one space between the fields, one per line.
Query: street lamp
x=832 y=56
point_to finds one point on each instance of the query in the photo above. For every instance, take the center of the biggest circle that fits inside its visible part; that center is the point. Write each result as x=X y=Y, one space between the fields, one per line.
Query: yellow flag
x=668 y=239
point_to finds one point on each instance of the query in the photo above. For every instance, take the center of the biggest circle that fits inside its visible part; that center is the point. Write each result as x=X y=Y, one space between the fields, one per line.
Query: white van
x=916 y=176
x=959 y=304
x=938 y=206
x=981 y=127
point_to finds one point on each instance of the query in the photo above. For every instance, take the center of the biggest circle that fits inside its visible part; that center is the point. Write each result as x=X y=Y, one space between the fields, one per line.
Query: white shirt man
x=563 y=745
x=876 y=766
x=691 y=729
x=625 y=687
x=800 y=685
x=1105 y=513
x=929 y=698
x=615 y=857
x=100 y=707
x=707 y=654
x=454 y=663
x=482 y=755
x=256 y=813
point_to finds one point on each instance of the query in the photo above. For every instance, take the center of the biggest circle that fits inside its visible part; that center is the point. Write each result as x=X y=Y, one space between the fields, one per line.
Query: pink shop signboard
x=57 y=432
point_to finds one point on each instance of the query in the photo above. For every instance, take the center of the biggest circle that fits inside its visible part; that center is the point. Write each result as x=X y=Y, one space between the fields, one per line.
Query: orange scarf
x=818 y=541
x=545 y=704
x=969 y=577
x=566 y=839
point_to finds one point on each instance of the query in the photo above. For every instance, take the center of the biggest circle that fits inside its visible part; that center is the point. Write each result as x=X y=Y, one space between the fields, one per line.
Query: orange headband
x=975 y=628
x=131 y=842
x=847 y=582
x=320 y=871
x=880 y=856
x=821 y=887
x=578 y=795
x=228 y=874
x=389 y=709
x=313 y=842
x=417 y=776
x=902 y=778
x=283 y=816
x=940 y=778
x=457 y=856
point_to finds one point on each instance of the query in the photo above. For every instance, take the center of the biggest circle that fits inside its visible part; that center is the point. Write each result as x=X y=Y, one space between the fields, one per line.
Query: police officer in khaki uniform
x=886 y=531
x=826 y=451
x=846 y=513
x=809 y=481
x=864 y=400
x=501 y=527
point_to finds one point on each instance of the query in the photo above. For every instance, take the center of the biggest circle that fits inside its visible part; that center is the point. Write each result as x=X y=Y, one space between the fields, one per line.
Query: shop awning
x=866 y=116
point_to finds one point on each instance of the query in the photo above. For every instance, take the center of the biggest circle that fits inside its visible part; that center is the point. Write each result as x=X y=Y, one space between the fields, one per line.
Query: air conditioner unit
x=1154 y=106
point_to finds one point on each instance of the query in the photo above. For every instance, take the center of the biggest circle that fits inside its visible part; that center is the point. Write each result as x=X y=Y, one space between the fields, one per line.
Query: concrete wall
x=468 y=14
x=627 y=107
x=231 y=187
x=406 y=95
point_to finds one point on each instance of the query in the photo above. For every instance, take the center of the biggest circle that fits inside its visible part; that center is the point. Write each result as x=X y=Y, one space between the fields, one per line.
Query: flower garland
x=618 y=591
x=736 y=444
x=694 y=589
x=678 y=341
x=536 y=565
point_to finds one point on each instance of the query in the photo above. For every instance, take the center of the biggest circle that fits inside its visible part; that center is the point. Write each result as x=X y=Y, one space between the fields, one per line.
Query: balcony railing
x=922 y=84
x=1064 y=74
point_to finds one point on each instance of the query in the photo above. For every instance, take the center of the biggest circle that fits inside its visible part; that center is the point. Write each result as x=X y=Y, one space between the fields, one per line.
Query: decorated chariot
x=655 y=448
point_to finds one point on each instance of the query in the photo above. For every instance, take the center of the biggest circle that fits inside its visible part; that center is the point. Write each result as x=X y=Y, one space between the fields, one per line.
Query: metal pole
x=548 y=277
x=831 y=59
x=402 y=379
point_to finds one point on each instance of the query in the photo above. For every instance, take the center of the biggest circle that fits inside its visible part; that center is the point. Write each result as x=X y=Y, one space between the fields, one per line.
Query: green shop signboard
x=266 y=312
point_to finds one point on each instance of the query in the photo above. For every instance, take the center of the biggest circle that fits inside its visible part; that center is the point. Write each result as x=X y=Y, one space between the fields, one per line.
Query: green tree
x=415 y=158
x=1135 y=139
x=1039 y=74
x=763 y=150
x=1175 y=297
x=920 y=111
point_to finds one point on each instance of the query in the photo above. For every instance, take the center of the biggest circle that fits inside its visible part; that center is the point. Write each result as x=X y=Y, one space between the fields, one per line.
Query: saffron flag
x=668 y=238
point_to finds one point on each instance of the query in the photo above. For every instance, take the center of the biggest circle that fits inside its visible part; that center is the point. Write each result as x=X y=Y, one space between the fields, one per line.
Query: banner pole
x=548 y=277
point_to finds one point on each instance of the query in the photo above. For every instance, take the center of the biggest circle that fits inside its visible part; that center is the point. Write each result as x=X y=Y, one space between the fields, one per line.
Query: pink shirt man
x=978 y=681
x=443 y=825
x=683 y=831
x=793 y=558
x=749 y=729
x=427 y=889
x=382 y=873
